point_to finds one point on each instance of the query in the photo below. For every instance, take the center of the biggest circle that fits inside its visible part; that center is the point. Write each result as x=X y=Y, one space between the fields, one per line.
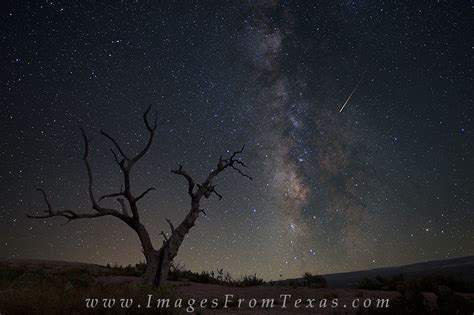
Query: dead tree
x=158 y=261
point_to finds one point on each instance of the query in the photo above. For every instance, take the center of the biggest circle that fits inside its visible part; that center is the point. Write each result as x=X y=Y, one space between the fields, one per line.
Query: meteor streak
x=350 y=95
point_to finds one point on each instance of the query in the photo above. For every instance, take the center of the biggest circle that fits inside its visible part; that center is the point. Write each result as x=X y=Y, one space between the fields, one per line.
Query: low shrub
x=314 y=281
x=36 y=292
x=179 y=272
x=428 y=283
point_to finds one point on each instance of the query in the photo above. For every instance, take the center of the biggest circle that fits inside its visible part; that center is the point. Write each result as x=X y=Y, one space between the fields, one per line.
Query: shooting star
x=350 y=95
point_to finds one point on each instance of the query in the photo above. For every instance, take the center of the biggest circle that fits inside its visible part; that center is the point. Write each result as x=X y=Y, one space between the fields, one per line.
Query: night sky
x=388 y=180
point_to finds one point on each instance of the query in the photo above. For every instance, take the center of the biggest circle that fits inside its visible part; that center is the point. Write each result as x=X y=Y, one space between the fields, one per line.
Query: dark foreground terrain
x=461 y=268
x=54 y=287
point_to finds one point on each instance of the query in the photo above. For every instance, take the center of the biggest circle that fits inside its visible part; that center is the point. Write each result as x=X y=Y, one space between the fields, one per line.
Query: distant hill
x=462 y=267
x=52 y=266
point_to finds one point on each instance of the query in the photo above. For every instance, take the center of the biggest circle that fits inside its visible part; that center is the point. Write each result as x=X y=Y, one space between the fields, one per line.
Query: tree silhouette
x=158 y=261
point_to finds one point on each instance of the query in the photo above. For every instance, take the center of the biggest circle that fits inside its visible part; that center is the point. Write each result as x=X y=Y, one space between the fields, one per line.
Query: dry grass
x=35 y=292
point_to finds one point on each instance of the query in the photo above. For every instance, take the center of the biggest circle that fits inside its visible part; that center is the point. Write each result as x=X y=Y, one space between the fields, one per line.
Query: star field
x=387 y=181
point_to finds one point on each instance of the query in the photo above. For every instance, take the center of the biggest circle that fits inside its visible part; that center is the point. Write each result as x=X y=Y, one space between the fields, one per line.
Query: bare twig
x=188 y=177
x=206 y=188
x=111 y=195
x=164 y=236
x=151 y=129
x=144 y=193
x=73 y=215
x=70 y=214
x=115 y=143
x=170 y=224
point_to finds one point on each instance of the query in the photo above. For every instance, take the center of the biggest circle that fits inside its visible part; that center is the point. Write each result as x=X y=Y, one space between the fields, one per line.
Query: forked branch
x=125 y=162
x=74 y=215
x=206 y=188
x=131 y=161
x=188 y=177
x=70 y=214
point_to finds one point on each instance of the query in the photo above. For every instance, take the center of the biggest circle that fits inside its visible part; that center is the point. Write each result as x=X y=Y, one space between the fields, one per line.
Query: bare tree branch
x=164 y=236
x=127 y=163
x=116 y=159
x=85 y=159
x=151 y=129
x=115 y=143
x=124 y=206
x=209 y=190
x=188 y=177
x=70 y=214
x=240 y=171
x=73 y=215
x=225 y=163
x=144 y=193
x=170 y=224
x=45 y=197
x=206 y=188
x=212 y=189
x=111 y=195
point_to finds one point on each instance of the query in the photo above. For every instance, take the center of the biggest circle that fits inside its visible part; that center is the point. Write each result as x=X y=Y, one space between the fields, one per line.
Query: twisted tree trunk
x=159 y=262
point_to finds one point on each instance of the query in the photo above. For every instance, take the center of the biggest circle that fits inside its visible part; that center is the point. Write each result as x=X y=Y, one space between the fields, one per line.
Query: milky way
x=279 y=134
